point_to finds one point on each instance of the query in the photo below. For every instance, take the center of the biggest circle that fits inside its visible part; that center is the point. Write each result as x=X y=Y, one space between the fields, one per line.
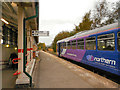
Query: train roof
x=90 y=32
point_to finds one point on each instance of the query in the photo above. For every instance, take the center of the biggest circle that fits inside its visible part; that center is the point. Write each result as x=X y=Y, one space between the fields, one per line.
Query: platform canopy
x=9 y=13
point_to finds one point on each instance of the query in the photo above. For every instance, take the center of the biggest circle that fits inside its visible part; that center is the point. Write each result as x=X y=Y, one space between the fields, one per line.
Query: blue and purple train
x=99 y=48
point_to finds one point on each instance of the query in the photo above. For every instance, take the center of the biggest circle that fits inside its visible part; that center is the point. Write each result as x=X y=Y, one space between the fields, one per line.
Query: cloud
x=54 y=29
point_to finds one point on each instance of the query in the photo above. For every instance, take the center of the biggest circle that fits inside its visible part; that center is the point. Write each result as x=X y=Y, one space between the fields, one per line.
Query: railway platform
x=53 y=72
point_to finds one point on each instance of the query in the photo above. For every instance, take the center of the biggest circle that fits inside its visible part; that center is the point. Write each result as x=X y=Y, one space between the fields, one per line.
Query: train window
x=91 y=43
x=80 y=44
x=106 y=42
x=64 y=45
x=74 y=44
x=118 y=41
x=61 y=45
x=68 y=45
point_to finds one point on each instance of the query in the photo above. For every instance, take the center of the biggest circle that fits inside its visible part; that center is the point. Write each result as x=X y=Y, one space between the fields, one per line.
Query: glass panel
x=91 y=43
x=64 y=45
x=106 y=36
x=9 y=36
x=61 y=46
x=106 y=42
x=74 y=44
x=68 y=45
x=80 y=44
x=119 y=34
x=118 y=41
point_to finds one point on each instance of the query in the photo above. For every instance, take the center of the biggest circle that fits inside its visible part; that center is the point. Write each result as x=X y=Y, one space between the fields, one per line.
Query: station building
x=17 y=20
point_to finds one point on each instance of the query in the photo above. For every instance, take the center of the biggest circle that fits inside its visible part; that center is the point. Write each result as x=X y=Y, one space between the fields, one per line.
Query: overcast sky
x=62 y=15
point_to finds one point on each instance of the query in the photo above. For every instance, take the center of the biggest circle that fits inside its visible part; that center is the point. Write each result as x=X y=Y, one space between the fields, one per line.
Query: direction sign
x=40 y=33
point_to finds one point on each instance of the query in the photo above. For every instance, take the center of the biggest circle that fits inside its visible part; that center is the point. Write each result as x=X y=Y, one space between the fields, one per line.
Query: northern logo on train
x=90 y=58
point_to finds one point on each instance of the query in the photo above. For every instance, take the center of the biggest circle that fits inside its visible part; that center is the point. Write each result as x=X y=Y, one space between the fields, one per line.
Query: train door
x=118 y=37
x=59 y=50
x=118 y=47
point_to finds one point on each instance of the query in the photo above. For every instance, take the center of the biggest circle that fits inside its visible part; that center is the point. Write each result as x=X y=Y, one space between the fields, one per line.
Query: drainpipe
x=24 y=44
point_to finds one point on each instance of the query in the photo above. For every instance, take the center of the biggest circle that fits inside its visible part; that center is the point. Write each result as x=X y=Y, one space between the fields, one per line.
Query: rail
x=16 y=73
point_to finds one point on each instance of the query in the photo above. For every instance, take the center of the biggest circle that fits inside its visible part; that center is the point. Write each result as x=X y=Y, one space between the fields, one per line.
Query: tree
x=113 y=14
x=72 y=33
x=105 y=13
x=84 y=25
x=76 y=30
x=86 y=22
x=41 y=46
x=100 y=14
x=59 y=36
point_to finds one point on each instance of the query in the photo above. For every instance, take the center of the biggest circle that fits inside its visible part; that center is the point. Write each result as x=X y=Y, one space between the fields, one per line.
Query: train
x=99 y=48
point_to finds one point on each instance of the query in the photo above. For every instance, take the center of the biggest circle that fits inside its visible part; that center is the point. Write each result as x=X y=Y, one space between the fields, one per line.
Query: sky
x=62 y=15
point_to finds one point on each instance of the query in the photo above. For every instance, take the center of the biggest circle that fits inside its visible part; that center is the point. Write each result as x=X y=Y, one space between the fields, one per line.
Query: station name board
x=40 y=33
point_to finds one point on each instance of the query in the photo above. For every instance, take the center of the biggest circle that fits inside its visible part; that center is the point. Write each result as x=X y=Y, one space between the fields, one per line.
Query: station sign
x=40 y=33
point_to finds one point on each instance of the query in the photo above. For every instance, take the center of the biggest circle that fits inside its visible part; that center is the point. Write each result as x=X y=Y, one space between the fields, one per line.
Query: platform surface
x=51 y=74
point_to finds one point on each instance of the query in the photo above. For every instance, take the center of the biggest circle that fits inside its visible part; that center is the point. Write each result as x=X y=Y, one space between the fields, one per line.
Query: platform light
x=7 y=45
x=103 y=46
x=15 y=48
x=4 y=21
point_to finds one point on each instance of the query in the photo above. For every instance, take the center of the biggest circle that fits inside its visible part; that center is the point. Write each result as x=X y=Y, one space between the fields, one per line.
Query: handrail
x=14 y=60
x=19 y=59
x=16 y=73
x=28 y=54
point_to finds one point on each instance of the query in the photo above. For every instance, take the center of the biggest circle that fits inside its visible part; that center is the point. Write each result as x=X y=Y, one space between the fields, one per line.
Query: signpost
x=40 y=33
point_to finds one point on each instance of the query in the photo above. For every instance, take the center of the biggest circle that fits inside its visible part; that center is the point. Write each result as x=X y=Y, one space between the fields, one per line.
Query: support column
x=22 y=78
x=20 y=40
